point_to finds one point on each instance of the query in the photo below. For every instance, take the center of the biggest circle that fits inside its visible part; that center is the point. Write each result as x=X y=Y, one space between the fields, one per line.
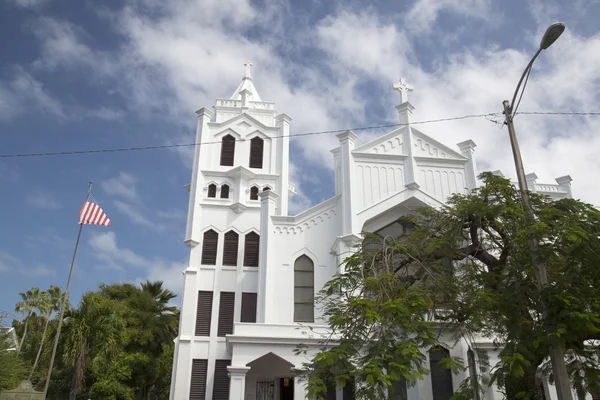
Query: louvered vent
x=251 y=245
x=256 y=152
x=198 y=383
x=230 y=248
x=248 y=307
x=227 y=150
x=209 y=247
x=221 y=385
x=226 y=307
x=204 y=313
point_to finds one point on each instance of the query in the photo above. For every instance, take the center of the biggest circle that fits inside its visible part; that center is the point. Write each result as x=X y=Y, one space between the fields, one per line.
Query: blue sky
x=77 y=75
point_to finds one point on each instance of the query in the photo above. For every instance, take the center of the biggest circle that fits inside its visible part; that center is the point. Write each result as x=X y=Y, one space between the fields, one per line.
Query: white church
x=254 y=269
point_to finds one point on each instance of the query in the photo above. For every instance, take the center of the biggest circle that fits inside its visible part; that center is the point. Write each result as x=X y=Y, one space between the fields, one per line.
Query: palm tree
x=50 y=302
x=26 y=307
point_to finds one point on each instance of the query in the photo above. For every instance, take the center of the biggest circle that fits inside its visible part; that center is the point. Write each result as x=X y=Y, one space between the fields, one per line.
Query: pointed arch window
x=230 y=248
x=266 y=188
x=304 y=289
x=209 y=247
x=251 y=249
x=441 y=377
x=227 y=150
x=256 y=152
x=254 y=193
x=224 y=191
x=212 y=190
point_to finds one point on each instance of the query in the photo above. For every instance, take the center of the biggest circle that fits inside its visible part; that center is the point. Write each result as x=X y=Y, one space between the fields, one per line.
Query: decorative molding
x=191 y=243
x=304 y=225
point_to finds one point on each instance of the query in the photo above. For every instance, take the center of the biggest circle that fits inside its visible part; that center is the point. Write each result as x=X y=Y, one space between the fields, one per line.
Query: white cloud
x=423 y=14
x=31 y=4
x=124 y=185
x=111 y=256
x=44 y=201
x=11 y=264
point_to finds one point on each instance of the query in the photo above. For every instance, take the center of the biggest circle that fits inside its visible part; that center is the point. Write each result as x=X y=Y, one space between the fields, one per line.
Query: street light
x=557 y=356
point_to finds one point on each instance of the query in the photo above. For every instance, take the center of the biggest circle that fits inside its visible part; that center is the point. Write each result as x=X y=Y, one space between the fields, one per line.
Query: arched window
x=212 y=190
x=304 y=289
x=254 y=193
x=256 y=152
x=209 y=247
x=227 y=150
x=224 y=191
x=230 y=248
x=251 y=249
x=266 y=188
x=441 y=377
x=399 y=390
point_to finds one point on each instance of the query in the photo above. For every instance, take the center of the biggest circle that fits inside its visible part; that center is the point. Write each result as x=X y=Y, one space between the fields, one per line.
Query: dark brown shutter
x=198 y=382
x=226 y=306
x=254 y=193
x=221 y=384
x=256 y=152
x=331 y=390
x=209 y=247
x=248 y=307
x=212 y=190
x=441 y=378
x=225 y=191
x=204 y=313
x=251 y=245
x=348 y=391
x=230 y=248
x=227 y=150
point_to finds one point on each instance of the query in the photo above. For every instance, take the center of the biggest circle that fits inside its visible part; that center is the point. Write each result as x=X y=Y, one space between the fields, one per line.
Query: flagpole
x=63 y=305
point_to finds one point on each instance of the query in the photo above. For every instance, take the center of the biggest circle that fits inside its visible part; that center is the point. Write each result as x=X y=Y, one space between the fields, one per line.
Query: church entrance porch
x=269 y=378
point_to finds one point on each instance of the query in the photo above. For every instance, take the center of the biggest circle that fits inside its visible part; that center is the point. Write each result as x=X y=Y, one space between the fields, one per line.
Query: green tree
x=470 y=259
x=26 y=307
x=12 y=367
x=50 y=302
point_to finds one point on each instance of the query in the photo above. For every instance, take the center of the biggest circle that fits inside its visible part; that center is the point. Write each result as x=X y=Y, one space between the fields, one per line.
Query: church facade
x=253 y=269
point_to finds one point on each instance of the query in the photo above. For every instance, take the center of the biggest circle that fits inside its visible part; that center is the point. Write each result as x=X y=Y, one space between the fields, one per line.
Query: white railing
x=229 y=103
x=291 y=187
x=548 y=188
x=262 y=105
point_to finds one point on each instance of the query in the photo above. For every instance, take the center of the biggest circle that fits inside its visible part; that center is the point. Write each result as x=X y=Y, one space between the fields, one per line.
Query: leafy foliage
x=468 y=264
x=12 y=367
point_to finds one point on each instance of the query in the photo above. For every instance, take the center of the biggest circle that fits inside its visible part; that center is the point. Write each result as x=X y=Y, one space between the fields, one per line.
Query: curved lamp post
x=557 y=357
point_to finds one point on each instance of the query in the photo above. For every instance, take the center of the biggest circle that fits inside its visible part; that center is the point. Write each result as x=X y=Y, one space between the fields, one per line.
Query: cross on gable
x=403 y=88
x=247 y=64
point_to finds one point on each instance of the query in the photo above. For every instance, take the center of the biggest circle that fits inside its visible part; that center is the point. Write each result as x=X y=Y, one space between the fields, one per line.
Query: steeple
x=246 y=91
x=405 y=109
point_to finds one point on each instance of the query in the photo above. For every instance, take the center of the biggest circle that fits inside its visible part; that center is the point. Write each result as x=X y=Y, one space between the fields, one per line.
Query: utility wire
x=171 y=146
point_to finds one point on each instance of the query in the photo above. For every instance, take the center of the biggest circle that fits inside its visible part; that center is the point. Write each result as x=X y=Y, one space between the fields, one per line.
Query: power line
x=171 y=146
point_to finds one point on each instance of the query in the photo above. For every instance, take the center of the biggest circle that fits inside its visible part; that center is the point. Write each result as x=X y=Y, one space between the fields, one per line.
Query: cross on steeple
x=247 y=64
x=403 y=88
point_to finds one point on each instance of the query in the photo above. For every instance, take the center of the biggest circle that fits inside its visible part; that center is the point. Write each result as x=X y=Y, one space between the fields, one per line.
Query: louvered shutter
x=204 y=313
x=256 y=152
x=254 y=193
x=209 y=247
x=230 y=248
x=221 y=384
x=251 y=248
x=225 y=191
x=348 y=391
x=198 y=382
x=212 y=190
x=331 y=391
x=227 y=150
x=226 y=306
x=248 y=307
x=441 y=378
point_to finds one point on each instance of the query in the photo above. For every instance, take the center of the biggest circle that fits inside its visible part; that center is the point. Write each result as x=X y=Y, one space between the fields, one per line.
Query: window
x=304 y=276
x=209 y=247
x=251 y=249
x=204 y=313
x=266 y=188
x=441 y=378
x=248 y=307
x=256 y=152
x=348 y=391
x=399 y=390
x=212 y=190
x=230 y=248
x=226 y=306
x=254 y=193
x=198 y=381
x=224 y=191
x=227 y=150
x=221 y=384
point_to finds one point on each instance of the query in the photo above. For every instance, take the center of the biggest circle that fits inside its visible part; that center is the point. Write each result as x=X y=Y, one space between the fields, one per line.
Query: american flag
x=92 y=214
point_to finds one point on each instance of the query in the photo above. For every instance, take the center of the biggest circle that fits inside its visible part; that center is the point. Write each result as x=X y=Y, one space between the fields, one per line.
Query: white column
x=283 y=160
x=531 y=179
x=265 y=312
x=347 y=171
x=565 y=184
x=237 y=382
x=299 y=389
x=467 y=149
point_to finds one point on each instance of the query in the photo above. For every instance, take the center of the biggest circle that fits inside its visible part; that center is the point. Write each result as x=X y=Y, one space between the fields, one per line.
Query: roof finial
x=403 y=88
x=247 y=64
